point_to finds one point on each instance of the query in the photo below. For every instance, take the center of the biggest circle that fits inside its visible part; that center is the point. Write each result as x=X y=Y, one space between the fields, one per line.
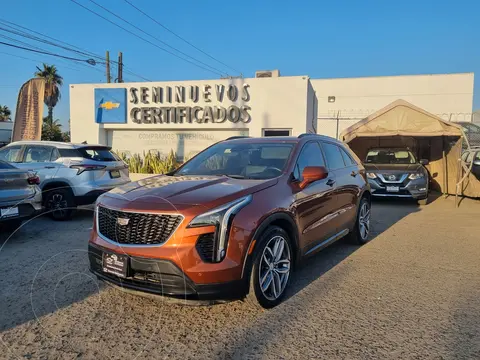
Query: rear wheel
x=361 y=230
x=59 y=204
x=271 y=269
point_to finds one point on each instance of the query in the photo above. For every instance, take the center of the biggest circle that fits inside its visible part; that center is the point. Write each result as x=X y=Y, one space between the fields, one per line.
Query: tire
x=59 y=204
x=277 y=274
x=361 y=231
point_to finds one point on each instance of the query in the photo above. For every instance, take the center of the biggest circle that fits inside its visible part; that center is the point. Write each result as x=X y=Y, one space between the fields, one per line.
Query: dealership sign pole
x=29 y=113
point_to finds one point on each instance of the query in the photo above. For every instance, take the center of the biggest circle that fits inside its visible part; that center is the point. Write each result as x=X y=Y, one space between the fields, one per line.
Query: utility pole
x=108 y=66
x=120 y=67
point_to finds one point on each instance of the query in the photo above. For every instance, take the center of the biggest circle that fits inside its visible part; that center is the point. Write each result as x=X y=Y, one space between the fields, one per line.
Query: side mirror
x=424 y=162
x=311 y=174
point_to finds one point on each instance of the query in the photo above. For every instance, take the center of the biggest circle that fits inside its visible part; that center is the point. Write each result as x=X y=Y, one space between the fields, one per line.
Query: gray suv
x=395 y=172
x=70 y=174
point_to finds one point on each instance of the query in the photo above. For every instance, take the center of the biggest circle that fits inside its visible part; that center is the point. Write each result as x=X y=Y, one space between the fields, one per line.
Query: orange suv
x=233 y=221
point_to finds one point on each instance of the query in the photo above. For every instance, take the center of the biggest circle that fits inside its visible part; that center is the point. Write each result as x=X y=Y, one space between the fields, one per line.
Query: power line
x=146 y=40
x=181 y=38
x=83 y=51
x=163 y=42
x=43 y=52
x=37 y=61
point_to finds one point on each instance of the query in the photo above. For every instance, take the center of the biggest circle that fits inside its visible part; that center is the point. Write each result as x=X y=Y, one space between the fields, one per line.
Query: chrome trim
x=404 y=176
x=327 y=218
x=134 y=212
x=393 y=195
x=331 y=239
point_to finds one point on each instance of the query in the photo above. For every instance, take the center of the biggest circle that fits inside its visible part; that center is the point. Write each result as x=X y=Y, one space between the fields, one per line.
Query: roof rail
x=237 y=137
x=306 y=134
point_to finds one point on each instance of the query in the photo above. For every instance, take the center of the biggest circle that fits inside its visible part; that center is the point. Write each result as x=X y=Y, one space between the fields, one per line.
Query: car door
x=348 y=181
x=315 y=204
x=40 y=158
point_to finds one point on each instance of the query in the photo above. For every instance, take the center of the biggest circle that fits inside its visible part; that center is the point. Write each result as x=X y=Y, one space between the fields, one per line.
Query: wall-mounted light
x=331 y=99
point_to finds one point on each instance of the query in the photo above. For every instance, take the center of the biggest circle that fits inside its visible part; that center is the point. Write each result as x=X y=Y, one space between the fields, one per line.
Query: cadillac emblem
x=122 y=221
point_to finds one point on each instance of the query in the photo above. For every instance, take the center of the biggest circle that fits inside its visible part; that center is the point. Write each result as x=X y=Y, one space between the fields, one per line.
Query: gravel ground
x=413 y=292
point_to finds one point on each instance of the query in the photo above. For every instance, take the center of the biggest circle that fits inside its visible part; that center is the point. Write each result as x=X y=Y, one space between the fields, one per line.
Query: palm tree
x=52 y=83
x=51 y=129
x=5 y=113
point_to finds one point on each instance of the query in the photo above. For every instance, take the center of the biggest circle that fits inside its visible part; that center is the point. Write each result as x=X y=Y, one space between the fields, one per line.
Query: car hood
x=392 y=167
x=187 y=190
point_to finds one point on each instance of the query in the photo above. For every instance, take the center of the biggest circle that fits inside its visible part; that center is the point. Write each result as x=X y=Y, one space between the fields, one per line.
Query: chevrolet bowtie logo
x=109 y=105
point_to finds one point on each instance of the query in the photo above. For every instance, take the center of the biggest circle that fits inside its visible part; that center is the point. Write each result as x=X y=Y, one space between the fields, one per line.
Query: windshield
x=244 y=161
x=390 y=156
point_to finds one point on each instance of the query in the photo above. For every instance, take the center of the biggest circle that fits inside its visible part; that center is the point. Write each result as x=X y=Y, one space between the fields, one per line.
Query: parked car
x=472 y=132
x=233 y=221
x=395 y=172
x=70 y=174
x=473 y=155
x=20 y=196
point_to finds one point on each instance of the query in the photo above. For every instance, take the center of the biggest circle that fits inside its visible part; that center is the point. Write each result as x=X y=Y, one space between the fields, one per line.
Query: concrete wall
x=6 y=131
x=279 y=103
x=450 y=96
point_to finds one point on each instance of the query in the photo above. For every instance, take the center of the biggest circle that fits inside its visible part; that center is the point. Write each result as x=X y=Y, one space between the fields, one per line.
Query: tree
x=5 y=113
x=52 y=83
x=52 y=130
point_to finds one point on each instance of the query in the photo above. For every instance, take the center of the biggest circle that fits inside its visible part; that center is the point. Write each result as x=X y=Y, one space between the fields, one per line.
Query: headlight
x=414 y=176
x=371 y=175
x=221 y=217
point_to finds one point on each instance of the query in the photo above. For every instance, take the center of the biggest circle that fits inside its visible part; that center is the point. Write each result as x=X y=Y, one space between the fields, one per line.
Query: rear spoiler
x=86 y=146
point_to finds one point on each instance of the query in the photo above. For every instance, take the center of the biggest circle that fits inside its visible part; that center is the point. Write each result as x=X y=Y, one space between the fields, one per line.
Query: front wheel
x=59 y=204
x=271 y=269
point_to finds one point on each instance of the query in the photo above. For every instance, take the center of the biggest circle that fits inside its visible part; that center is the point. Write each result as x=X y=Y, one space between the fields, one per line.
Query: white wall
x=275 y=103
x=6 y=131
x=449 y=96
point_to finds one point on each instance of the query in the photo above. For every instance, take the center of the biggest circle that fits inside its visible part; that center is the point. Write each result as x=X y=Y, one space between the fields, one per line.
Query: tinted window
x=10 y=153
x=247 y=160
x=347 y=159
x=4 y=165
x=38 y=154
x=69 y=153
x=334 y=157
x=311 y=155
x=97 y=154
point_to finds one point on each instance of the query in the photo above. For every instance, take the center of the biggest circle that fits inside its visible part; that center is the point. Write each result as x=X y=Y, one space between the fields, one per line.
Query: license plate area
x=9 y=212
x=393 y=189
x=114 y=174
x=115 y=264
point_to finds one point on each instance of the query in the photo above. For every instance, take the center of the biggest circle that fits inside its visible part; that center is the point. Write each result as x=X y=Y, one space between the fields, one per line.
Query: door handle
x=49 y=167
x=330 y=182
x=353 y=173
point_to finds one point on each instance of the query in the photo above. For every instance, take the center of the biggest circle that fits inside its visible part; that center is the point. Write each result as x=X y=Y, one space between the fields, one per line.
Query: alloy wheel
x=364 y=221
x=58 y=205
x=274 y=269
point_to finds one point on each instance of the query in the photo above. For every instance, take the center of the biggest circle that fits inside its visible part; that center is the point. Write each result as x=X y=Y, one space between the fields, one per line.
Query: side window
x=36 y=154
x=347 y=159
x=311 y=155
x=10 y=153
x=55 y=154
x=334 y=156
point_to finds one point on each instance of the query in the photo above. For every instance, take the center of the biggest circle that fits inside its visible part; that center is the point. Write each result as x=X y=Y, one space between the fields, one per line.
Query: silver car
x=20 y=196
x=70 y=174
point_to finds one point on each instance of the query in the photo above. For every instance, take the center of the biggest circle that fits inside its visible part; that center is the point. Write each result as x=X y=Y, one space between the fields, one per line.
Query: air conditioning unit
x=267 y=73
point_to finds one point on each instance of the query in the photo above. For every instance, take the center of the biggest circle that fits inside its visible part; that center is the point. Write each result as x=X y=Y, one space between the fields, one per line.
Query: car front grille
x=393 y=177
x=136 y=228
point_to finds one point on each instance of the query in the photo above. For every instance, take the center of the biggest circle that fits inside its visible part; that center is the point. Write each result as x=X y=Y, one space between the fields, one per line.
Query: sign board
x=29 y=113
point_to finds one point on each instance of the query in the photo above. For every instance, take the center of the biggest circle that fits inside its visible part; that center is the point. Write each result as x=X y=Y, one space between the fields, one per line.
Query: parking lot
x=412 y=292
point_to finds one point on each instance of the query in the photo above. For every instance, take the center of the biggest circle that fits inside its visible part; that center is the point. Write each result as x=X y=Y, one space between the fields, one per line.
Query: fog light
x=422 y=189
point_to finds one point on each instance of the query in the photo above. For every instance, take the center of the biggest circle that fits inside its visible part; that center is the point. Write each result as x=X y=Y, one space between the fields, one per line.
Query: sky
x=318 y=38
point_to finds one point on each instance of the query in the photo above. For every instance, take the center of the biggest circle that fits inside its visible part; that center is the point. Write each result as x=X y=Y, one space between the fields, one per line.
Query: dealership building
x=187 y=116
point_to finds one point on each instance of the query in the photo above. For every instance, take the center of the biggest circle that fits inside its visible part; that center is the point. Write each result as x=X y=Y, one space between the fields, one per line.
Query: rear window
x=68 y=153
x=97 y=154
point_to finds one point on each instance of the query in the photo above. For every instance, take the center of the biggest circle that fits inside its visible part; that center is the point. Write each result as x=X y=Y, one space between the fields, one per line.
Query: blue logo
x=110 y=106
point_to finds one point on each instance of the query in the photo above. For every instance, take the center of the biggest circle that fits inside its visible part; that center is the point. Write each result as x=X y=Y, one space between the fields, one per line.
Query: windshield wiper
x=231 y=176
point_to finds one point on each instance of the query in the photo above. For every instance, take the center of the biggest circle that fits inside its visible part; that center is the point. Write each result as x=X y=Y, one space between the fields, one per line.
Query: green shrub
x=152 y=162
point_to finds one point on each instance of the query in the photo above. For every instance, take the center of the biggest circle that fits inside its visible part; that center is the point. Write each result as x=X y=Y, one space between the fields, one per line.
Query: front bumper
x=163 y=277
x=414 y=189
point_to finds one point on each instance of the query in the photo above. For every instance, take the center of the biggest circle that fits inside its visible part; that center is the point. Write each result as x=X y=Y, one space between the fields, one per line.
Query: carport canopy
x=401 y=118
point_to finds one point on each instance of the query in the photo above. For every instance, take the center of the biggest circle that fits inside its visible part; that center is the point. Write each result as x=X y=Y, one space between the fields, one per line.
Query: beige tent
x=402 y=124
